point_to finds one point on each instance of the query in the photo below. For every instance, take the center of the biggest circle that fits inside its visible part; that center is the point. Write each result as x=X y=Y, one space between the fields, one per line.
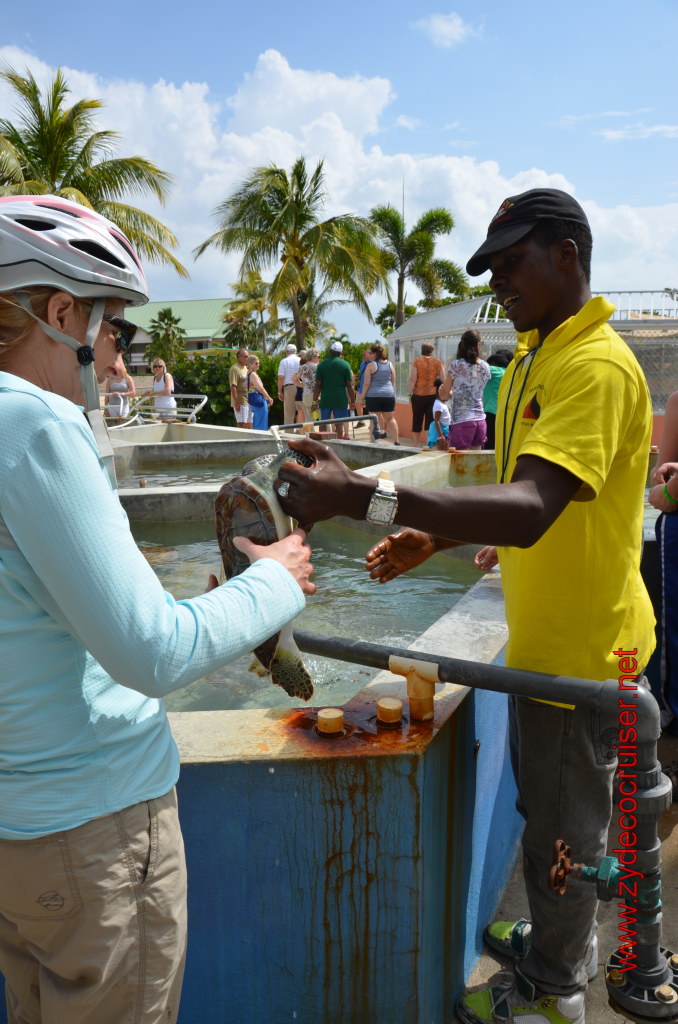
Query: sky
x=456 y=104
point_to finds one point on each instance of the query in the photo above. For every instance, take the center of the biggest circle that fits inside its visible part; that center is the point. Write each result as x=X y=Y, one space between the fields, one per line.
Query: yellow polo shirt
x=579 y=400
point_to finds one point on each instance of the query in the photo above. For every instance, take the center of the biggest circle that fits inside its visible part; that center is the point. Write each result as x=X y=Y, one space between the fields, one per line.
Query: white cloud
x=445 y=30
x=275 y=93
x=209 y=147
x=572 y=120
x=640 y=131
x=410 y=123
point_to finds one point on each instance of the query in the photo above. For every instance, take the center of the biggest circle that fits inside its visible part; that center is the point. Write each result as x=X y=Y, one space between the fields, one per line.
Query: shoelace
x=501 y=991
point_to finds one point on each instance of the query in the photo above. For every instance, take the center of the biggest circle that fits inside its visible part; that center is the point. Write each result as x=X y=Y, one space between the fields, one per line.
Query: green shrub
x=208 y=375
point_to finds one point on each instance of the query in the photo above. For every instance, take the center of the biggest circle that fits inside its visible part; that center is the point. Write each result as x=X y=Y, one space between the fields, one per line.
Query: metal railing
x=632 y=304
x=354 y=420
x=142 y=410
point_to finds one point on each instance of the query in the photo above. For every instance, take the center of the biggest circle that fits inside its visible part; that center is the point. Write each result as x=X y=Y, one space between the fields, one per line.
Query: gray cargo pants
x=564 y=778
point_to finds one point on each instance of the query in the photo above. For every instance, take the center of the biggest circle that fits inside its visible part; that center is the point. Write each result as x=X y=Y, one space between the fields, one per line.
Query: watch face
x=382 y=510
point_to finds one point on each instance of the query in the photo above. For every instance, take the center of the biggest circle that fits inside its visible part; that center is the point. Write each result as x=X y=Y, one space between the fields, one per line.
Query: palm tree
x=251 y=300
x=52 y=148
x=413 y=255
x=273 y=219
x=314 y=306
x=167 y=337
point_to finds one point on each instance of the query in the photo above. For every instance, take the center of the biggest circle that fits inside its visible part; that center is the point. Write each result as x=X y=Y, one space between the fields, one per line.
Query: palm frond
x=52 y=147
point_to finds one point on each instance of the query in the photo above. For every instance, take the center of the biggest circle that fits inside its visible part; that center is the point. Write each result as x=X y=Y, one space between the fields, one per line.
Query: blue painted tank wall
x=350 y=890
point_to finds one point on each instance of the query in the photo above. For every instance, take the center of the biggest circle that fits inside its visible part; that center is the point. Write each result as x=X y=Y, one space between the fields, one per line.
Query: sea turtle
x=247 y=506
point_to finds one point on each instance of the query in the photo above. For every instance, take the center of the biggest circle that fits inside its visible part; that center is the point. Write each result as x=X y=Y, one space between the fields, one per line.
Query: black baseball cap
x=516 y=217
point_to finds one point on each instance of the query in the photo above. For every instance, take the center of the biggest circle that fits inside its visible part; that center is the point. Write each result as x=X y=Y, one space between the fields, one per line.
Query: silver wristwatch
x=383 y=504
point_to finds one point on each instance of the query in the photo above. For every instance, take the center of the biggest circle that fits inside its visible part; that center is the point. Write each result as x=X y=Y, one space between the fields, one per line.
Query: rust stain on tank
x=467 y=464
x=362 y=733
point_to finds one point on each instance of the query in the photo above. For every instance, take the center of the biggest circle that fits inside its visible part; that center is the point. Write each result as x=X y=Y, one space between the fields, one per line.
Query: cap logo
x=507 y=205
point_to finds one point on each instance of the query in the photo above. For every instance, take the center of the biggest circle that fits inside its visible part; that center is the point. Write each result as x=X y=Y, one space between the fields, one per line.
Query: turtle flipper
x=289 y=671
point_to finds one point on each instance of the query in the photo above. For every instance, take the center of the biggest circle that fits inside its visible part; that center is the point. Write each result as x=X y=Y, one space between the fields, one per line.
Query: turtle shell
x=247 y=507
x=242 y=510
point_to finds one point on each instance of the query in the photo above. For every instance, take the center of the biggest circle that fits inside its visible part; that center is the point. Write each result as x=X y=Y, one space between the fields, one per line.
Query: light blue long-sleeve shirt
x=89 y=640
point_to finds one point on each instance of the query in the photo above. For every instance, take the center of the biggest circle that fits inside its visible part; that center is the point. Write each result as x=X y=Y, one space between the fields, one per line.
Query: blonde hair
x=16 y=324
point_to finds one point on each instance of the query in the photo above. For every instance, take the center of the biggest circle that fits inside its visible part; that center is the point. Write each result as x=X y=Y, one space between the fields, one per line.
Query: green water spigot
x=605 y=877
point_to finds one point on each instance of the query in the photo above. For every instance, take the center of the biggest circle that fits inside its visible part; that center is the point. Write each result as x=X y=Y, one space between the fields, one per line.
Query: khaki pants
x=93 y=920
x=290 y=402
x=307 y=404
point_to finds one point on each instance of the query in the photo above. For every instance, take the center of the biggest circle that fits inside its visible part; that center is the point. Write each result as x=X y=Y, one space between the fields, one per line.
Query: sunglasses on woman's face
x=124 y=331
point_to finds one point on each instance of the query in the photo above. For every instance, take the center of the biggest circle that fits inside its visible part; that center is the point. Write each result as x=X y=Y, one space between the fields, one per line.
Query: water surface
x=348 y=603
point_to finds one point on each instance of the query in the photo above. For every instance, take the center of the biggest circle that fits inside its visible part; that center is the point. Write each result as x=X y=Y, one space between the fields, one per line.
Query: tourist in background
x=305 y=379
x=359 y=404
x=118 y=391
x=334 y=389
x=664 y=496
x=466 y=378
x=258 y=397
x=237 y=379
x=423 y=391
x=93 y=908
x=299 y=393
x=163 y=391
x=497 y=363
x=379 y=391
x=287 y=389
x=439 y=430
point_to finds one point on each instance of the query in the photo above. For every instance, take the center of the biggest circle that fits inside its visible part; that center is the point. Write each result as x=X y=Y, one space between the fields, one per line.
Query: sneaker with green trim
x=512 y=939
x=504 y=1003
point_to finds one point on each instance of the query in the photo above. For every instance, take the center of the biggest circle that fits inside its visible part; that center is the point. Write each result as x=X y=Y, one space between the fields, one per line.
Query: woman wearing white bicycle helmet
x=92 y=912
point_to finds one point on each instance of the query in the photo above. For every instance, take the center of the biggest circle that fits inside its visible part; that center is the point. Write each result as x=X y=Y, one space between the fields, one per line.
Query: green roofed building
x=201 y=319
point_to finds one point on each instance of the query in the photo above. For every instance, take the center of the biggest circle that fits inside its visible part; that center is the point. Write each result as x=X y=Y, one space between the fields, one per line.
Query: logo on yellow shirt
x=532 y=410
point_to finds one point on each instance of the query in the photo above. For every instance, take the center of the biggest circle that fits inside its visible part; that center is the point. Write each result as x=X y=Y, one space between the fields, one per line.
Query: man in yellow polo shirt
x=573 y=435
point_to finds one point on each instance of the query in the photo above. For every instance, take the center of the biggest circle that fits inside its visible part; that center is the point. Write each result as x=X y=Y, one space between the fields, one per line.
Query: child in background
x=440 y=427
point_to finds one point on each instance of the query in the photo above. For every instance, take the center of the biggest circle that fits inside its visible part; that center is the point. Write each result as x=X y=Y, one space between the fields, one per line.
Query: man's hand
x=487 y=558
x=291 y=552
x=325 y=489
x=398 y=553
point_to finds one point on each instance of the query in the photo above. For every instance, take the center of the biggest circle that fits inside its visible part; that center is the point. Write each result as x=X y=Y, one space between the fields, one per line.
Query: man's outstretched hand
x=398 y=553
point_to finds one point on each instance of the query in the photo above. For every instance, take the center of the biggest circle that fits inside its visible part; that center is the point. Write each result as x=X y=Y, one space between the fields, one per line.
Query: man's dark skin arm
x=516 y=514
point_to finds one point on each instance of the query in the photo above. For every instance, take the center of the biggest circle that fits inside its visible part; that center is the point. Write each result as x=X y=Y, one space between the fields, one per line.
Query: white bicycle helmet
x=46 y=240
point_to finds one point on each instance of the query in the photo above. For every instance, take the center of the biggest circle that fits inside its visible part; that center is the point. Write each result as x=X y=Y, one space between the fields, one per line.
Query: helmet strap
x=86 y=372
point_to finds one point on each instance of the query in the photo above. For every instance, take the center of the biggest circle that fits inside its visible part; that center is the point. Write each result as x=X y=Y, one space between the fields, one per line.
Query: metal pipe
x=371 y=416
x=565 y=689
x=641 y=976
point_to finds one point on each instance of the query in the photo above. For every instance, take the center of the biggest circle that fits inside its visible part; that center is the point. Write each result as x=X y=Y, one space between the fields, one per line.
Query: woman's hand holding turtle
x=398 y=553
x=291 y=552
